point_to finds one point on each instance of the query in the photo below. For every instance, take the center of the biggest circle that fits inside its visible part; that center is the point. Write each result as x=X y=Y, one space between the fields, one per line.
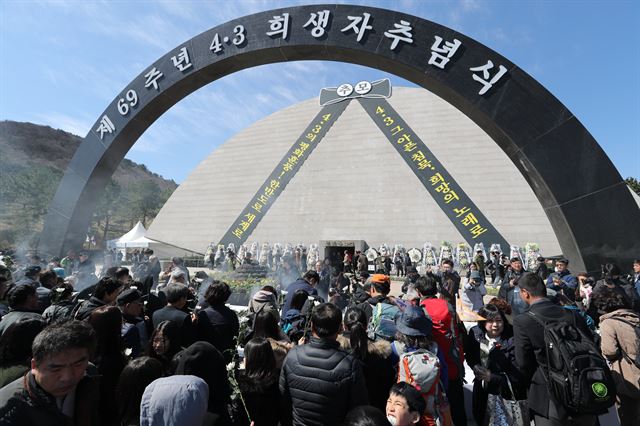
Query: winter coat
x=203 y=360
x=59 y=311
x=618 y=337
x=261 y=398
x=567 y=286
x=512 y=294
x=11 y=372
x=501 y=361
x=174 y=400
x=24 y=403
x=187 y=331
x=83 y=311
x=473 y=295
x=378 y=368
x=299 y=284
x=219 y=326
x=16 y=316
x=320 y=384
x=531 y=356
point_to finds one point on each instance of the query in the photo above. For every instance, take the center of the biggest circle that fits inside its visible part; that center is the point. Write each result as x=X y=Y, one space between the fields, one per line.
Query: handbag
x=507 y=412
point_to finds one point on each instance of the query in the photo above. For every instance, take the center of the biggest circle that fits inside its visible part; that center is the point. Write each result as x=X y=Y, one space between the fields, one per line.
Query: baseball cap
x=128 y=296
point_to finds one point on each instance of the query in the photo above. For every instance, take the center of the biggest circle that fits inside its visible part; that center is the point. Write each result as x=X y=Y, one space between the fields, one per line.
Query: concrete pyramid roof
x=354 y=185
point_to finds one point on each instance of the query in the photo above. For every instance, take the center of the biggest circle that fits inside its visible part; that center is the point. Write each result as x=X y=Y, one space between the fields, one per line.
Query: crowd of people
x=554 y=348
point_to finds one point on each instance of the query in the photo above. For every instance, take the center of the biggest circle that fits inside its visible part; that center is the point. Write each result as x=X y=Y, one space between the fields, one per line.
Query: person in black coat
x=377 y=364
x=258 y=383
x=177 y=295
x=203 y=360
x=218 y=324
x=490 y=352
x=531 y=353
x=319 y=382
x=105 y=293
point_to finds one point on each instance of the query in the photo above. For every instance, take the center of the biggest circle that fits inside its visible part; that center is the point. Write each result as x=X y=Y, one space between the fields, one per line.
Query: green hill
x=32 y=161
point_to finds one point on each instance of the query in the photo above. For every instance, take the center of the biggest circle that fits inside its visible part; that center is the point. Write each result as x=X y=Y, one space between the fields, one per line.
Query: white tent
x=135 y=239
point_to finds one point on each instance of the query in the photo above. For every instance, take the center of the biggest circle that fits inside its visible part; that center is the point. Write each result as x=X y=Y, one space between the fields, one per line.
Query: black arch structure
x=588 y=204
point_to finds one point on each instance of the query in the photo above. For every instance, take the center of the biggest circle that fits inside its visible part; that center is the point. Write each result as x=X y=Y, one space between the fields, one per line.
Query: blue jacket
x=299 y=284
x=566 y=281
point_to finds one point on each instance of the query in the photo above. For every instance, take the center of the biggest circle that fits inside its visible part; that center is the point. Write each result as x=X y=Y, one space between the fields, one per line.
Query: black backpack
x=577 y=376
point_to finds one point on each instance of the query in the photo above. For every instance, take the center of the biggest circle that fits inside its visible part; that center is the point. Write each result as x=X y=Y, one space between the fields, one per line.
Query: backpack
x=444 y=332
x=577 y=376
x=294 y=327
x=383 y=322
x=635 y=361
x=421 y=369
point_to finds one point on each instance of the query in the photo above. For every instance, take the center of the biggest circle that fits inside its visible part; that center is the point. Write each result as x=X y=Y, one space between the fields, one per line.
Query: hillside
x=28 y=145
x=32 y=161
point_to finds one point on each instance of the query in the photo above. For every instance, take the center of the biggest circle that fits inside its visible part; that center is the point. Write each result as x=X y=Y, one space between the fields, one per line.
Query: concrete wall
x=354 y=186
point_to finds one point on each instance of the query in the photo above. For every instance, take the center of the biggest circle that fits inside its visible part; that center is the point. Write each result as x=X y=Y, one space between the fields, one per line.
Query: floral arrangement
x=532 y=252
x=462 y=254
x=445 y=251
x=429 y=256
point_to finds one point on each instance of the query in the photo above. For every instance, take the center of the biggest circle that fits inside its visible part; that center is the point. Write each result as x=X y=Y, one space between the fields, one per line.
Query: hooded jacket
x=378 y=368
x=617 y=337
x=174 y=400
x=203 y=360
x=320 y=383
x=263 y=300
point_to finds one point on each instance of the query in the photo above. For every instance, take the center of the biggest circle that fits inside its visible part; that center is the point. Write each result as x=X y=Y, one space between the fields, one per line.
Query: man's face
x=636 y=268
x=32 y=302
x=133 y=308
x=446 y=267
x=59 y=373
x=517 y=265
x=318 y=266
x=83 y=257
x=560 y=266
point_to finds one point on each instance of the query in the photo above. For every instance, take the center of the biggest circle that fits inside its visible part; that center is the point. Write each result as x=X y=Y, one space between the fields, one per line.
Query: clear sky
x=64 y=61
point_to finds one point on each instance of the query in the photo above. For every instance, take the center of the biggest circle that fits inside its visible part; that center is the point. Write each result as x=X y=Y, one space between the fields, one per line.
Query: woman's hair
x=365 y=415
x=266 y=325
x=415 y=401
x=61 y=292
x=608 y=300
x=355 y=323
x=169 y=331
x=107 y=323
x=260 y=363
x=135 y=377
x=427 y=286
x=491 y=312
x=16 y=341
x=106 y=285
x=218 y=292
x=501 y=304
x=298 y=300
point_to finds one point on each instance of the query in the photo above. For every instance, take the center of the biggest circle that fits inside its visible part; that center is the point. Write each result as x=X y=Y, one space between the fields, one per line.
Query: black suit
x=181 y=318
x=530 y=350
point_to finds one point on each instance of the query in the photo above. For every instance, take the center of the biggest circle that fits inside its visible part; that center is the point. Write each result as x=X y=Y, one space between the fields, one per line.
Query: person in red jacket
x=445 y=334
